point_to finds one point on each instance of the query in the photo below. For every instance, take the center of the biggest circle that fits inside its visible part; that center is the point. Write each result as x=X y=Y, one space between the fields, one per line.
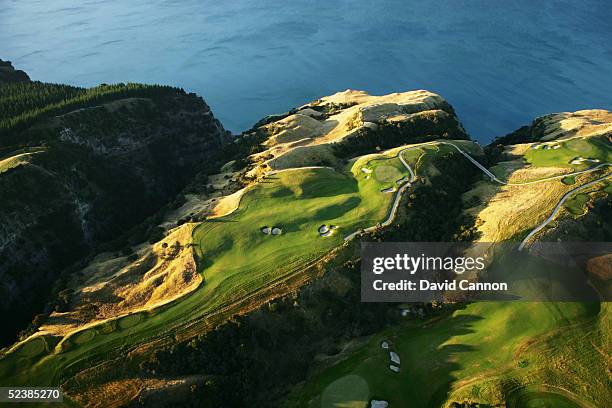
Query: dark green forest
x=24 y=103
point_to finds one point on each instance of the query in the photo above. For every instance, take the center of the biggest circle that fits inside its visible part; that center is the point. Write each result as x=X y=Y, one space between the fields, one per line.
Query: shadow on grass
x=444 y=360
x=427 y=364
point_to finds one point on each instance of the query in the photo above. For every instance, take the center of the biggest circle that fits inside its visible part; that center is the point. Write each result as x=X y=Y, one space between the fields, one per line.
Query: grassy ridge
x=236 y=259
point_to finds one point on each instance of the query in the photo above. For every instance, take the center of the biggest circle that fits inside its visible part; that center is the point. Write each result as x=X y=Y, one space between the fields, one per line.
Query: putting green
x=351 y=391
x=569 y=180
x=386 y=173
x=575 y=205
x=33 y=348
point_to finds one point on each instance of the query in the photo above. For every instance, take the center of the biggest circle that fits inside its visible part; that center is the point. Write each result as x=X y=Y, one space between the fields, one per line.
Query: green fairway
x=236 y=258
x=481 y=347
x=588 y=148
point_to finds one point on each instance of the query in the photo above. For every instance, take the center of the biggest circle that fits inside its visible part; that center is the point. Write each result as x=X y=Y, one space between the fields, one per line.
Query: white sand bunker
x=327 y=230
x=271 y=230
x=395 y=362
x=379 y=404
x=366 y=170
x=545 y=146
x=582 y=160
x=388 y=190
x=394 y=357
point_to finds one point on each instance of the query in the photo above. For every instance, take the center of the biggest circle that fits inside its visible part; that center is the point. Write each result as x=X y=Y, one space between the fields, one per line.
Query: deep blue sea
x=499 y=63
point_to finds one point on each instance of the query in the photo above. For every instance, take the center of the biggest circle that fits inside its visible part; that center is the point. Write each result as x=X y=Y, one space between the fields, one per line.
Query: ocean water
x=500 y=64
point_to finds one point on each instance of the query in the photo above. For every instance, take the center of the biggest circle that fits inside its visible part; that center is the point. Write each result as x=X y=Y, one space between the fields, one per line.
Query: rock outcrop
x=9 y=74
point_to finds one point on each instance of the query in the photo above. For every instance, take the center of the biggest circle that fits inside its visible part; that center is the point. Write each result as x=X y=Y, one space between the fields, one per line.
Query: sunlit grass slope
x=235 y=258
x=588 y=148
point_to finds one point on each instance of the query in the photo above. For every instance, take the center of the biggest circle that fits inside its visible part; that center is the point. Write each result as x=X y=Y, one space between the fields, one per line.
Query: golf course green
x=236 y=259
x=596 y=148
x=474 y=354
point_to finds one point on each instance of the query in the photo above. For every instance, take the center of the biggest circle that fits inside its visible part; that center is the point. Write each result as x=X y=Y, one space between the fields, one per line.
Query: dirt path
x=494 y=178
x=397 y=199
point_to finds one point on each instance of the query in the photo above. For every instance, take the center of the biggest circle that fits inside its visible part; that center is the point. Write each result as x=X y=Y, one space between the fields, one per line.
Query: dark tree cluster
x=24 y=103
x=388 y=135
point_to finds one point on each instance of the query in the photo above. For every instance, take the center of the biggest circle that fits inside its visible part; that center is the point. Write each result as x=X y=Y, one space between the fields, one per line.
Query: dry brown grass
x=601 y=267
x=15 y=161
x=301 y=139
x=584 y=123
x=119 y=393
x=114 y=287
x=508 y=210
x=303 y=156
x=519 y=174
x=227 y=204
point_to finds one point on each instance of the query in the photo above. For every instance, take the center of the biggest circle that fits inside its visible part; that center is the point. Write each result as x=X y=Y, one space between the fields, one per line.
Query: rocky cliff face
x=85 y=178
x=10 y=74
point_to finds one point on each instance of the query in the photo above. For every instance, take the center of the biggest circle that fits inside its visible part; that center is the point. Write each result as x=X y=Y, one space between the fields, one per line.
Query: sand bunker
x=271 y=230
x=327 y=230
x=582 y=160
x=395 y=362
x=395 y=359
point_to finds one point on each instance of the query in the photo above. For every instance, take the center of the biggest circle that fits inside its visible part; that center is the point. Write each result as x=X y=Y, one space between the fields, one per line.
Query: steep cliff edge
x=83 y=172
